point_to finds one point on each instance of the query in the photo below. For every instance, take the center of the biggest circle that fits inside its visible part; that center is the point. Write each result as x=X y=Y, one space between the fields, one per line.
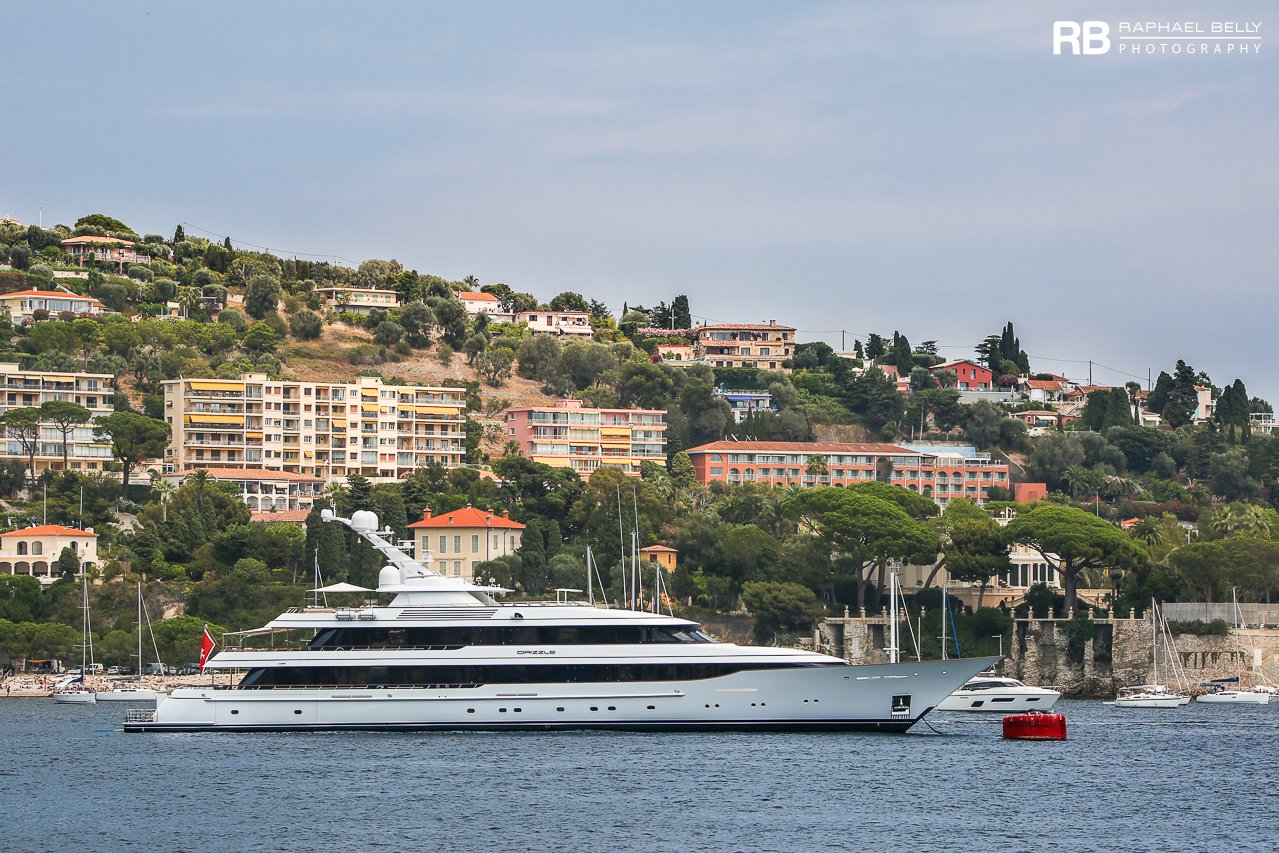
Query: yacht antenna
x=409 y=567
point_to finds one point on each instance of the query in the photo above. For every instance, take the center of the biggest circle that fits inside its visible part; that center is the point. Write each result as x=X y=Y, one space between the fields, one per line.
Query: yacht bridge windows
x=501 y=635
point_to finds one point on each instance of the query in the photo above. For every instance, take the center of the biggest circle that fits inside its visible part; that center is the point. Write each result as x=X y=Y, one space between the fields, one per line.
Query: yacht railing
x=444 y=686
x=303 y=647
x=139 y=715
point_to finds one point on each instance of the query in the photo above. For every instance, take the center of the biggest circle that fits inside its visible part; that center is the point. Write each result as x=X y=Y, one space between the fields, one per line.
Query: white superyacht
x=443 y=654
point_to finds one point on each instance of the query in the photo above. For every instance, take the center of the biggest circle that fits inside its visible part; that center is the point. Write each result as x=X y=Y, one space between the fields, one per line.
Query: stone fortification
x=1055 y=652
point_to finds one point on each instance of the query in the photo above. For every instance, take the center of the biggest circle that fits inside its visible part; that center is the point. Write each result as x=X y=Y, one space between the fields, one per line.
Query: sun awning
x=342 y=587
x=197 y=417
x=368 y=407
x=217 y=386
x=369 y=392
x=436 y=410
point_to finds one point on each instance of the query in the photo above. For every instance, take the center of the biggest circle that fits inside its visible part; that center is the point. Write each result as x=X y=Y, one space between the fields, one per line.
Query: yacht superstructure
x=1001 y=694
x=444 y=654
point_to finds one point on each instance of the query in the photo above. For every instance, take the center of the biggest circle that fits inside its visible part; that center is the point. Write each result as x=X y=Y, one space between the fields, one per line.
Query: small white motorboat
x=989 y=692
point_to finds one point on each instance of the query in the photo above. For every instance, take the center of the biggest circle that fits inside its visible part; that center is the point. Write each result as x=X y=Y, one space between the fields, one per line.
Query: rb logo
x=1089 y=38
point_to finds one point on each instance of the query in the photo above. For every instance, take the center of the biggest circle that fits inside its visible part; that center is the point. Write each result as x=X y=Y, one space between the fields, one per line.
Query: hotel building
x=321 y=429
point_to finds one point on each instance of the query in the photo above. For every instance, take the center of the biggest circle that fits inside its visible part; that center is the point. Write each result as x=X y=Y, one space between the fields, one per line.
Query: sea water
x=1196 y=778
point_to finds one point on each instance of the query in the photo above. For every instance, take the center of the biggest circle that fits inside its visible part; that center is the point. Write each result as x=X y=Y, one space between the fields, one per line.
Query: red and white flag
x=207 y=645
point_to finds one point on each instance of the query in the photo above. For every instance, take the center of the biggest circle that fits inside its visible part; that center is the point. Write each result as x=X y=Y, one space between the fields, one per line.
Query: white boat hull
x=888 y=697
x=1234 y=697
x=82 y=698
x=1168 y=701
x=1008 y=701
x=129 y=696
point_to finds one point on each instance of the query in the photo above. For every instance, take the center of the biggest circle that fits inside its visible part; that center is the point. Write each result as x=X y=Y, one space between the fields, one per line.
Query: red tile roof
x=478 y=297
x=50 y=530
x=800 y=447
x=953 y=362
x=73 y=241
x=468 y=517
x=55 y=294
x=249 y=474
x=658 y=548
x=280 y=516
x=1044 y=384
x=754 y=327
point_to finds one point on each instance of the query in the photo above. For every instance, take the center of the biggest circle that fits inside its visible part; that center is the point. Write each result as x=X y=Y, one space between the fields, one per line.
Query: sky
x=931 y=168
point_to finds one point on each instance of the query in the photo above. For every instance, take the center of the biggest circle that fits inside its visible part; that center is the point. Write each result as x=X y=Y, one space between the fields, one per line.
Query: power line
x=268 y=248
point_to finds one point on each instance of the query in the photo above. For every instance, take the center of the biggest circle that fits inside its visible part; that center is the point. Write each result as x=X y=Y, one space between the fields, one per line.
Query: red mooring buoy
x=1035 y=727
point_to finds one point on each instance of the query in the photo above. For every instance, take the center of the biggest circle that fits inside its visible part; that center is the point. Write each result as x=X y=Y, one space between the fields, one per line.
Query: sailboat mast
x=139 y=670
x=1154 y=644
x=590 y=581
x=944 y=609
x=893 y=652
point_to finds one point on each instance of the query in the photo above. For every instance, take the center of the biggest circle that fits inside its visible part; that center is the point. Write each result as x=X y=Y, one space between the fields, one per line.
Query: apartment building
x=267 y=491
x=558 y=323
x=358 y=300
x=570 y=435
x=458 y=540
x=31 y=388
x=942 y=473
x=321 y=429
x=760 y=345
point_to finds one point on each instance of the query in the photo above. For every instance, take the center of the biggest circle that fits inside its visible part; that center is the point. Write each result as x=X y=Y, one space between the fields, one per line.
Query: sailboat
x=76 y=692
x=1155 y=694
x=1228 y=691
x=134 y=691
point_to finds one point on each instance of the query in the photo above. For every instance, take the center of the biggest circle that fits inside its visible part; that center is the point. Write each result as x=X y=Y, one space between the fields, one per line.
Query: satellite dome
x=364 y=521
x=389 y=576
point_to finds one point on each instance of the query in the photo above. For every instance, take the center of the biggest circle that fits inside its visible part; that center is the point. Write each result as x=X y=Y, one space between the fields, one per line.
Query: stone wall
x=1118 y=655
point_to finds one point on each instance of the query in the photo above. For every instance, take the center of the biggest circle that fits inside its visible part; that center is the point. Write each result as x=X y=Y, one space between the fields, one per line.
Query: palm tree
x=1119 y=487
x=188 y=300
x=1239 y=520
x=1077 y=479
x=1148 y=530
x=165 y=490
x=471 y=282
x=816 y=467
x=200 y=478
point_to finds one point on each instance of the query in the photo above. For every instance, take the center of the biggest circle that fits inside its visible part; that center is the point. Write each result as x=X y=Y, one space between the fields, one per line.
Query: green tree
x=1230 y=476
x=22 y=599
x=260 y=338
x=65 y=417
x=68 y=565
x=1073 y=540
x=1202 y=565
x=781 y=606
x=134 y=439
x=569 y=301
x=23 y=426
x=388 y=334
x=261 y=295
x=1183 y=399
x=495 y=364
x=417 y=321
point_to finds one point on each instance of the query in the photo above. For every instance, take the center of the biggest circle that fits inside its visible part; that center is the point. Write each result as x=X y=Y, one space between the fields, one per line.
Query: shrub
x=445 y=354
x=306 y=325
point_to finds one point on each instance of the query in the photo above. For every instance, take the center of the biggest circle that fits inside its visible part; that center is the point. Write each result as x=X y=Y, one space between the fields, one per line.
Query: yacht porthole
x=296 y=711
x=470 y=710
x=612 y=707
x=652 y=707
x=516 y=710
x=501 y=710
x=593 y=708
x=235 y=712
x=559 y=709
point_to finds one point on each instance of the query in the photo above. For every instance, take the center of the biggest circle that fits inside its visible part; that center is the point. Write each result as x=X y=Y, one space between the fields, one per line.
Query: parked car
x=75 y=670
x=189 y=669
x=113 y=670
x=158 y=669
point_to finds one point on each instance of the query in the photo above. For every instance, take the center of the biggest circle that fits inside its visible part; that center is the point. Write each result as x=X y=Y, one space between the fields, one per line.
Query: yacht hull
x=887 y=698
x=1010 y=701
x=1170 y=701
x=1234 y=697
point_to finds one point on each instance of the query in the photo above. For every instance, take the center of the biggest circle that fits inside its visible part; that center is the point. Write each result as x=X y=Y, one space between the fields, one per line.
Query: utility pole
x=1090 y=371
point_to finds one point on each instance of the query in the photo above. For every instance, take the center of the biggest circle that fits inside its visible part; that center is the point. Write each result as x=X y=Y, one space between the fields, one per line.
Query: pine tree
x=226 y=244
x=681 y=313
x=179 y=235
x=874 y=346
x=1158 y=397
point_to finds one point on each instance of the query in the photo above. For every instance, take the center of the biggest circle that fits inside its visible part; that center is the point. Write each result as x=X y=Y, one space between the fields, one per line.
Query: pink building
x=570 y=435
x=969 y=375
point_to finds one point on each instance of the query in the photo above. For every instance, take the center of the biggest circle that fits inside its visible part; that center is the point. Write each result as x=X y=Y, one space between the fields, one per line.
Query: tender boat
x=444 y=654
x=75 y=696
x=990 y=692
